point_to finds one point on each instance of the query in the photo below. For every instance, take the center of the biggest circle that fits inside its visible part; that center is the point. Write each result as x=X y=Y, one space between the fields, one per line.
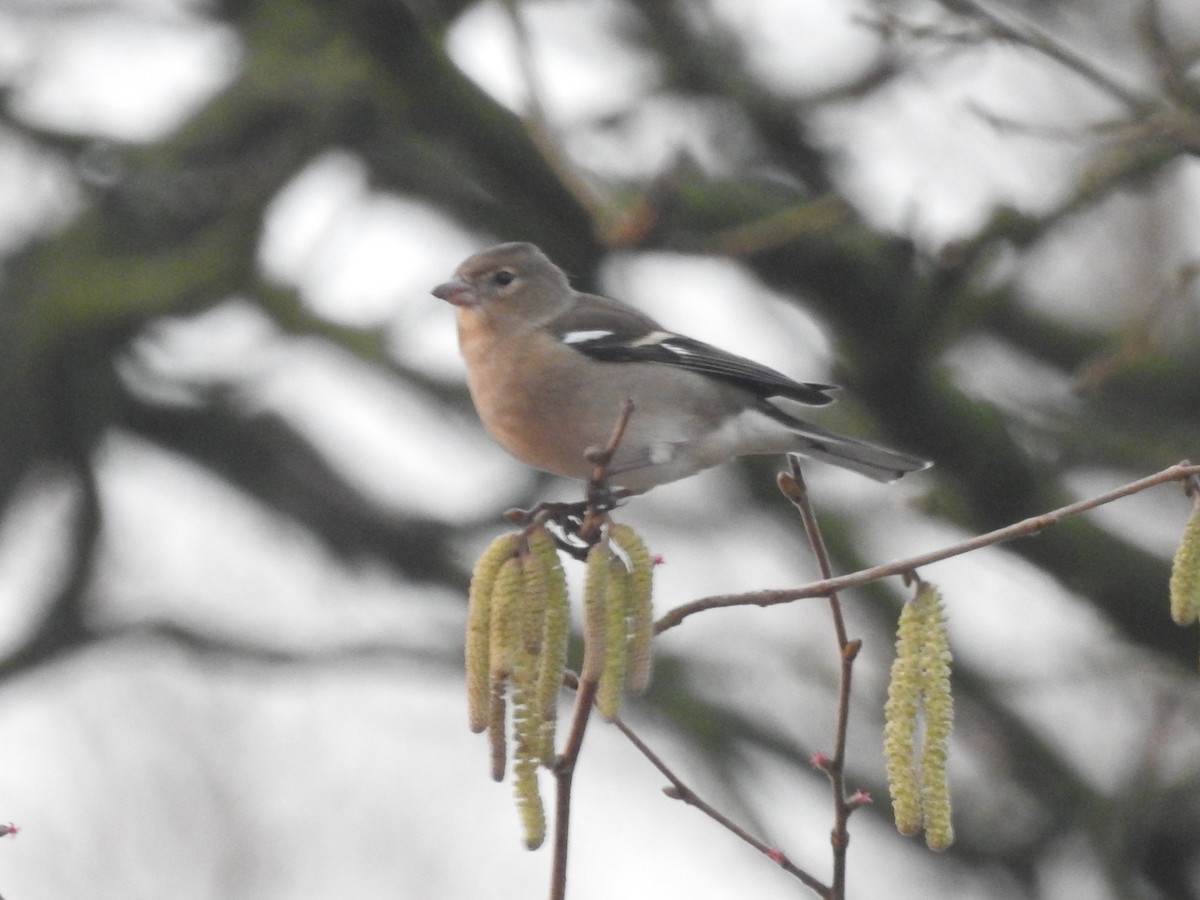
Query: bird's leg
x=600 y=495
x=581 y=521
x=569 y=517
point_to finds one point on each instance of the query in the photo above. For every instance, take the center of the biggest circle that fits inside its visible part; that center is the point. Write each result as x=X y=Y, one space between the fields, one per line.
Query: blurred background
x=242 y=487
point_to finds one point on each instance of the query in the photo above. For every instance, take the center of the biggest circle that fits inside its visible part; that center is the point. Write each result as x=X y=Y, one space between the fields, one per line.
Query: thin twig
x=1048 y=45
x=793 y=486
x=537 y=124
x=599 y=492
x=875 y=573
x=797 y=491
x=680 y=791
x=564 y=775
x=1191 y=485
x=599 y=497
x=1172 y=69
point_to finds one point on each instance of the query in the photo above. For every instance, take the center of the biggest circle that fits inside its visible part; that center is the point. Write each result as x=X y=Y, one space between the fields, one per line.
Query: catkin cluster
x=1185 y=573
x=919 y=693
x=617 y=617
x=518 y=627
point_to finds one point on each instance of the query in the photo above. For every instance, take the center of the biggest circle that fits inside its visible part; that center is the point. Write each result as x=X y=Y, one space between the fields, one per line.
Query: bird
x=549 y=368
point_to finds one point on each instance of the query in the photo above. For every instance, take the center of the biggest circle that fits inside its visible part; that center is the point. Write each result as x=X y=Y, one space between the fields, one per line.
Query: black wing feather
x=623 y=335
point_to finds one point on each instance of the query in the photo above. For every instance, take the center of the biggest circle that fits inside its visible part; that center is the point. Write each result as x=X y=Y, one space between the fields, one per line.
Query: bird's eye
x=504 y=277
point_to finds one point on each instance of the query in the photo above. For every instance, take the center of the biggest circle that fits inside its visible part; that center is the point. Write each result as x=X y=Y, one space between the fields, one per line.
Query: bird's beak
x=457 y=291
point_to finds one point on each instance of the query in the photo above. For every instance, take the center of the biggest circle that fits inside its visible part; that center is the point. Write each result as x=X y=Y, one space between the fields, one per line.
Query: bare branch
x=793 y=486
x=1030 y=35
x=542 y=133
x=599 y=498
x=1172 y=70
x=1023 y=528
x=680 y=791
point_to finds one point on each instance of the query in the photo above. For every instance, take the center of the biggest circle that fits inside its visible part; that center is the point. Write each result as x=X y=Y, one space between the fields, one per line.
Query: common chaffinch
x=549 y=367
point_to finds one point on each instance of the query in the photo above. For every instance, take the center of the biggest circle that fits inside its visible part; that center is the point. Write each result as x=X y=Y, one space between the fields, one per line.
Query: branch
x=791 y=483
x=678 y=790
x=599 y=498
x=564 y=774
x=823 y=588
x=1030 y=35
x=1171 y=69
x=537 y=124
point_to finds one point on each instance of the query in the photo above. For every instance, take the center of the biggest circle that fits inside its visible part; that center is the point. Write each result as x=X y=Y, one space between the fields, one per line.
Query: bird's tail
x=871 y=460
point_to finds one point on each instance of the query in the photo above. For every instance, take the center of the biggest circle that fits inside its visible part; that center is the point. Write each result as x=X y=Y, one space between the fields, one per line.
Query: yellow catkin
x=553 y=622
x=527 y=736
x=541 y=544
x=640 y=605
x=595 y=598
x=505 y=624
x=527 y=712
x=527 y=722
x=529 y=802
x=535 y=588
x=556 y=633
x=526 y=661
x=938 y=706
x=483 y=581
x=616 y=627
x=900 y=723
x=1185 y=573
x=505 y=627
x=496 y=735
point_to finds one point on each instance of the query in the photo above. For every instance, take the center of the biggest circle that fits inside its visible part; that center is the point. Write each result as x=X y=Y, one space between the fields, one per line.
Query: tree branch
x=791 y=483
x=678 y=790
x=598 y=498
x=1030 y=35
x=1023 y=528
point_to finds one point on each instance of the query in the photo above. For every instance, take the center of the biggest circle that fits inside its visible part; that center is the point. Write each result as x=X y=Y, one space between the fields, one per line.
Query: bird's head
x=513 y=281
